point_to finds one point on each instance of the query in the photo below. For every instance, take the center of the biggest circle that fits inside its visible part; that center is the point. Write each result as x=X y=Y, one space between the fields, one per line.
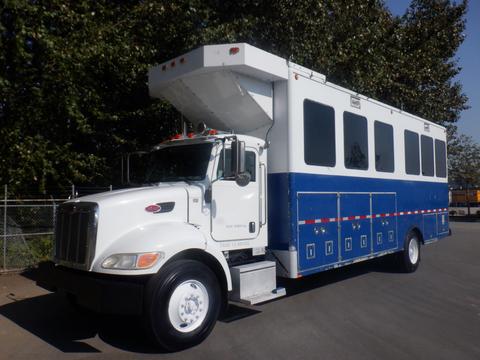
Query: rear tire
x=182 y=305
x=409 y=258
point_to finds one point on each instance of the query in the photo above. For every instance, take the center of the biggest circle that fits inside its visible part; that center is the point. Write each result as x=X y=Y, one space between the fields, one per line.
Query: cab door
x=235 y=211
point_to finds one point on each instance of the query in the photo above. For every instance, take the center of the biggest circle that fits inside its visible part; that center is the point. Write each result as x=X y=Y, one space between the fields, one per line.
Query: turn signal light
x=145 y=261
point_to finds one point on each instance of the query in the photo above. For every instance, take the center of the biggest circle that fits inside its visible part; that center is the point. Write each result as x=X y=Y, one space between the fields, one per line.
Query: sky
x=468 y=57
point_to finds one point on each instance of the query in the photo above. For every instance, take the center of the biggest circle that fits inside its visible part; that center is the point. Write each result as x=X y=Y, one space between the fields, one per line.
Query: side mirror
x=208 y=195
x=242 y=178
x=238 y=157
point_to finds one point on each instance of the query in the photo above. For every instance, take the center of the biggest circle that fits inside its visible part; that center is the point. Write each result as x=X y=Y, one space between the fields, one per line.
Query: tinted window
x=427 y=155
x=249 y=165
x=355 y=139
x=179 y=163
x=384 y=160
x=412 y=153
x=319 y=134
x=440 y=158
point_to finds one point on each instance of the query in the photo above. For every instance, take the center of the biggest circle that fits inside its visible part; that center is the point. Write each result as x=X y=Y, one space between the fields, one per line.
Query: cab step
x=255 y=283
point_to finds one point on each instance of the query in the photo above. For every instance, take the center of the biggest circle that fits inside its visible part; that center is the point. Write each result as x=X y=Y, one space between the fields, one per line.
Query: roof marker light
x=164 y=67
x=182 y=60
x=234 y=50
x=172 y=64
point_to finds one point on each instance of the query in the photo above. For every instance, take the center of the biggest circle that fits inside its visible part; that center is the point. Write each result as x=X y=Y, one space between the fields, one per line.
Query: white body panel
x=301 y=87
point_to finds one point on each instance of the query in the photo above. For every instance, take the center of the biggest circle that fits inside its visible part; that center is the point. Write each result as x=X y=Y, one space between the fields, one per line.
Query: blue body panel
x=301 y=204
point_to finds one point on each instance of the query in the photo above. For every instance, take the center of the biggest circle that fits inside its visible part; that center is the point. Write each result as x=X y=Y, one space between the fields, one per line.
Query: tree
x=73 y=92
x=464 y=164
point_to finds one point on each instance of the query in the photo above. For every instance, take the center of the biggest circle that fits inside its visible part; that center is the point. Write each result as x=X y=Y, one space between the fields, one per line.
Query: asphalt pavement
x=365 y=311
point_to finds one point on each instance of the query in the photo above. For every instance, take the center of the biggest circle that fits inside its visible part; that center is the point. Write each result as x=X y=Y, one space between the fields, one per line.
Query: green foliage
x=73 y=74
x=464 y=162
x=25 y=251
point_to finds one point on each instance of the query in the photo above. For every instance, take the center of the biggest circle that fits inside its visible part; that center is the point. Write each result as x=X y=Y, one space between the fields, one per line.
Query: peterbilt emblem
x=163 y=207
x=153 y=208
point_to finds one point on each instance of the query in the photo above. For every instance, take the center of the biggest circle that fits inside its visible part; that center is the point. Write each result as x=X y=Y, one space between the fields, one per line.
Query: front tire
x=409 y=258
x=182 y=305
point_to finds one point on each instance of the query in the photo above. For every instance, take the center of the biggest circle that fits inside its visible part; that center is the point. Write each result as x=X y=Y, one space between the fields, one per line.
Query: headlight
x=132 y=261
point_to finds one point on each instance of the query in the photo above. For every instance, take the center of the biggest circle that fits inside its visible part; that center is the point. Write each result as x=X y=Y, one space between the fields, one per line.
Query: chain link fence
x=27 y=226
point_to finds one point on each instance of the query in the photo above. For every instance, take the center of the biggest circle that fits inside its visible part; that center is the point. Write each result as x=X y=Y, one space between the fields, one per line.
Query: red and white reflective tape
x=361 y=217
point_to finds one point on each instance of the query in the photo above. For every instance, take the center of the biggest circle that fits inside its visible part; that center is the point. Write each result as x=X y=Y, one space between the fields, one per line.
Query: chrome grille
x=75 y=233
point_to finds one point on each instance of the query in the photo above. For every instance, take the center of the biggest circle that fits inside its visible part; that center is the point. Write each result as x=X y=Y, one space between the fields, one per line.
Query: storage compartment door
x=384 y=222
x=442 y=223
x=317 y=230
x=429 y=226
x=355 y=226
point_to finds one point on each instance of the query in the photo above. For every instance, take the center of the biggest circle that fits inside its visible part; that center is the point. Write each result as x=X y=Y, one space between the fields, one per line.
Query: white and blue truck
x=299 y=176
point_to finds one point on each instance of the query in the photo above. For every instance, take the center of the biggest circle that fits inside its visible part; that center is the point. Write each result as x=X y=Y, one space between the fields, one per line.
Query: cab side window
x=227 y=173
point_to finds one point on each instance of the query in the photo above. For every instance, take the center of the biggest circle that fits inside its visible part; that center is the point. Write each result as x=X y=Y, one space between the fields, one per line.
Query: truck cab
x=168 y=245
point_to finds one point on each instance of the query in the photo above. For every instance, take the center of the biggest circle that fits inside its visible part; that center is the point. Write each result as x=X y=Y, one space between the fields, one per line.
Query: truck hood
x=129 y=194
x=124 y=211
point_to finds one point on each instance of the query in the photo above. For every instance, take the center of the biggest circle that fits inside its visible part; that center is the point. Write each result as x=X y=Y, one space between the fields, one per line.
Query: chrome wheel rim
x=413 y=250
x=188 y=306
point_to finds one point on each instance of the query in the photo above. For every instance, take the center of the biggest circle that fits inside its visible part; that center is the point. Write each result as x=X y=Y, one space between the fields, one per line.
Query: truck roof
x=229 y=86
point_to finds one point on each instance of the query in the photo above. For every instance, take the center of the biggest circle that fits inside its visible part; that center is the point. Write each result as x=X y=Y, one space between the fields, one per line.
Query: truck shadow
x=385 y=264
x=52 y=319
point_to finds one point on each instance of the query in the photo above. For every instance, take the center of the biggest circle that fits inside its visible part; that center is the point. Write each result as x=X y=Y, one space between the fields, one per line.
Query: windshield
x=179 y=163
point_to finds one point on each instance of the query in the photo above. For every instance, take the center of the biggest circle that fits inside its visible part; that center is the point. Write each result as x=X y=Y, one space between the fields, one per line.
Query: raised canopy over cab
x=228 y=87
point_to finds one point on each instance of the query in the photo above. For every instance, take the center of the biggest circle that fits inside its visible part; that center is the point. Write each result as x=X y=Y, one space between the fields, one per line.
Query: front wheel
x=182 y=304
x=409 y=258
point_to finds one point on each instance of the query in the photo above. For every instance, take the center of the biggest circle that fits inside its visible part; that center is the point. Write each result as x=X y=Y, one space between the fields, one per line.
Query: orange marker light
x=145 y=261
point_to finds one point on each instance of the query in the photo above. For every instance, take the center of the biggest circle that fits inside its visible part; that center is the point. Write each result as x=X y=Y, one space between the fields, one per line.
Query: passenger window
x=318 y=134
x=440 y=158
x=227 y=174
x=427 y=155
x=412 y=153
x=355 y=140
x=384 y=158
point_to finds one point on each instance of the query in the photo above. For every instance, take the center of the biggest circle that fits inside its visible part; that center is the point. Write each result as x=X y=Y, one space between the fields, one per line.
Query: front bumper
x=112 y=294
